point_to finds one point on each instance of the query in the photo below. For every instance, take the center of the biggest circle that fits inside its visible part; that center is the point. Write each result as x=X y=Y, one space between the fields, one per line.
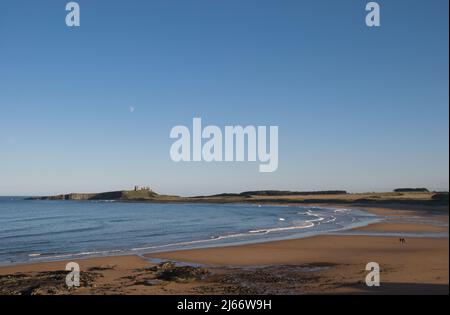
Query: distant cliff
x=112 y=195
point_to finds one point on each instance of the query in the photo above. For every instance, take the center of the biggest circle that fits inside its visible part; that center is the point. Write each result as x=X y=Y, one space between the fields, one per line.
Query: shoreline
x=384 y=213
x=142 y=252
x=337 y=263
x=393 y=221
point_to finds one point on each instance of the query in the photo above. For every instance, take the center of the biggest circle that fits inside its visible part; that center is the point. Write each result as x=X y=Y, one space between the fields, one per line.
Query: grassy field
x=140 y=194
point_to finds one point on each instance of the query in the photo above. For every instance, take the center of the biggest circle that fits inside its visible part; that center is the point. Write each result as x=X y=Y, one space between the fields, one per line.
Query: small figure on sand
x=402 y=240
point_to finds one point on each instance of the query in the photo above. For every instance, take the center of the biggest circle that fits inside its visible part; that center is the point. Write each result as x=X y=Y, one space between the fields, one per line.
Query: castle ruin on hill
x=142 y=188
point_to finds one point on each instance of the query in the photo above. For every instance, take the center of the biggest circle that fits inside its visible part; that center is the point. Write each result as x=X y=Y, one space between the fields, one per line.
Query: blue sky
x=357 y=108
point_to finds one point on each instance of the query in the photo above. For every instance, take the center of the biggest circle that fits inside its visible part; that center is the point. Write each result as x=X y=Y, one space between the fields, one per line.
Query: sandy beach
x=326 y=264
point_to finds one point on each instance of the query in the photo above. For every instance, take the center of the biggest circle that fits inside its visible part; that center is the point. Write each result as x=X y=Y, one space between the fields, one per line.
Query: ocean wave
x=32 y=219
x=279 y=229
x=70 y=255
x=229 y=236
x=319 y=218
x=101 y=201
x=343 y=210
x=333 y=219
x=75 y=230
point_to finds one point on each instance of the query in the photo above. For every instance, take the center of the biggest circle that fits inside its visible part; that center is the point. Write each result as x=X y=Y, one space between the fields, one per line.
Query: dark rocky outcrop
x=406 y=190
x=42 y=283
x=442 y=196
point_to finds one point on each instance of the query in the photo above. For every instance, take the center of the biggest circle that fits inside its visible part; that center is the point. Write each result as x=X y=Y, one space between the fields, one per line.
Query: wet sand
x=419 y=261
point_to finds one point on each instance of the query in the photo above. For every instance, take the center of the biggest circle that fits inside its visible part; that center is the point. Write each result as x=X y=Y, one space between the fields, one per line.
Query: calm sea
x=32 y=231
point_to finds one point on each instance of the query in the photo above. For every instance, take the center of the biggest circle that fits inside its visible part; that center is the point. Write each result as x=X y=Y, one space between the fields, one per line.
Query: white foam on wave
x=100 y=253
x=333 y=219
x=297 y=227
x=187 y=243
x=319 y=218
x=343 y=210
